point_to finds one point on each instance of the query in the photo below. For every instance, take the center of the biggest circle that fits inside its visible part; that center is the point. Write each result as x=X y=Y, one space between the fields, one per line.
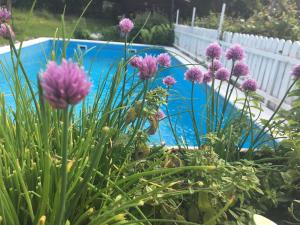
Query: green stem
x=245 y=137
x=212 y=93
x=217 y=105
x=64 y=172
x=225 y=100
x=140 y=118
x=194 y=116
x=243 y=109
x=124 y=78
x=25 y=76
x=170 y=122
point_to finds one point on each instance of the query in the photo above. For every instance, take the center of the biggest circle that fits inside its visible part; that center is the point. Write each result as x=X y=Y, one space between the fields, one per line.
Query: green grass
x=45 y=24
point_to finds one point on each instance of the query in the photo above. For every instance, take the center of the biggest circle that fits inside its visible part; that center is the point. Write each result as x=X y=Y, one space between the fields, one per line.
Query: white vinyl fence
x=270 y=59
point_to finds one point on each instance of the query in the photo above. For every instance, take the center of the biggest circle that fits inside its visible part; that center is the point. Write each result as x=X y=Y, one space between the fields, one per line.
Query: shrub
x=279 y=21
x=153 y=22
x=155 y=18
x=149 y=28
x=82 y=34
x=111 y=34
x=158 y=35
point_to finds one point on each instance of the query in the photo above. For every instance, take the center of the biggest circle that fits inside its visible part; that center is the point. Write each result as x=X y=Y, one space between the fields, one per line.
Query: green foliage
x=279 y=174
x=111 y=33
x=149 y=28
x=154 y=28
x=156 y=18
x=82 y=34
x=279 y=170
x=158 y=35
x=279 y=21
x=212 y=196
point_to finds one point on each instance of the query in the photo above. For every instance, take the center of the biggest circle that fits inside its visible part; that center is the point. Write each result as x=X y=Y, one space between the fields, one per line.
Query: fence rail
x=270 y=59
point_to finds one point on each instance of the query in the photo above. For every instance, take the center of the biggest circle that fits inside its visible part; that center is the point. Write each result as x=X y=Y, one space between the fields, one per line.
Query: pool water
x=98 y=60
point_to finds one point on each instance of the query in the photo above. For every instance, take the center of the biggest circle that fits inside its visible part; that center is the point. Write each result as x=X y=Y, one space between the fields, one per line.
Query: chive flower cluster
x=6 y=31
x=164 y=60
x=126 y=25
x=194 y=75
x=240 y=69
x=223 y=74
x=148 y=65
x=296 y=71
x=65 y=84
x=249 y=85
x=169 y=81
x=159 y=115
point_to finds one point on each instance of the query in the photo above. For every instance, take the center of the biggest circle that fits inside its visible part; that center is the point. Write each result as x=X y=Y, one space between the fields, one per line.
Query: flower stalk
x=64 y=172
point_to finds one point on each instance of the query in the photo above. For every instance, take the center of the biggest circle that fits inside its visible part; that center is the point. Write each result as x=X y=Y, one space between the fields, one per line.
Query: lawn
x=45 y=24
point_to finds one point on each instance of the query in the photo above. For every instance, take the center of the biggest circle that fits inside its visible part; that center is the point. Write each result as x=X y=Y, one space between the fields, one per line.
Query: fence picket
x=278 y=82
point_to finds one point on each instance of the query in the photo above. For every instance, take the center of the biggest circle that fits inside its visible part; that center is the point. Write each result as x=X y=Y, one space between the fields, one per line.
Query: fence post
x=177 y=16
x=193 y=17
x=221 y=21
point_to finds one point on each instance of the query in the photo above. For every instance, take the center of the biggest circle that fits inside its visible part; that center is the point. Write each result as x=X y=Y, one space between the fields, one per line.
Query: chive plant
x=60 y=162
x=227 y=131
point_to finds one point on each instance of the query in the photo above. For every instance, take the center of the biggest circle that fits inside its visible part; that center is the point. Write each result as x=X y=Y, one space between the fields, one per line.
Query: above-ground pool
x=98 y=60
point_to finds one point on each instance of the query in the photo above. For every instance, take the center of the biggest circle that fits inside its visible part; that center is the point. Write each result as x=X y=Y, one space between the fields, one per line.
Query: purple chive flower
x=64 y=84
x=296 y=71
x=169 y=81
x=215 y=65
x=148 y=67
x=194 y=74
x=207 y=77
x=223 y=74
x=249 y=85
x=164 y=59
x=159 y=115
x=6 y=31
x=136 y=61
x=240 y=69
x=213 y=51
x=235 y=52
x=4 y=15
x=126 y=25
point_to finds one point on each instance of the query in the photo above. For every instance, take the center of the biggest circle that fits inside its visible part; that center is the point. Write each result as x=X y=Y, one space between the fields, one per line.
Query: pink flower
x=64 y=84
x=169 y=81
x=213 y=51
x=296 y=71
x=159 y=115
x=6 y=31
x=126 y=25
x=148 y=67
x=240 y=69
x=235 y=52
x=136 y=61
x=249 y=85
x=215 y=65
x=222 y=74
x=164 y=59
x=4 y=15
x=194 y=74
x=207 y=77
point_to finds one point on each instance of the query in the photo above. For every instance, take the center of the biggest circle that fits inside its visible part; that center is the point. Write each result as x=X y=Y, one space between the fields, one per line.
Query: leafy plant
x=159 y=34
x=82 y=34
x=278 y=20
